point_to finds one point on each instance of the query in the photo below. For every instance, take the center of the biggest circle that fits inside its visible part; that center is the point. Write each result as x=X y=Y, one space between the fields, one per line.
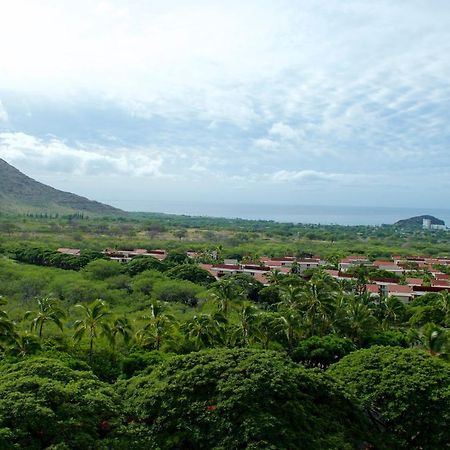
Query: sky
x=141 y=103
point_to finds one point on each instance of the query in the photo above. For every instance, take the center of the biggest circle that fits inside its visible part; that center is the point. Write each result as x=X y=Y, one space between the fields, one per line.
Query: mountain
x=21 y=194
x=417 y=221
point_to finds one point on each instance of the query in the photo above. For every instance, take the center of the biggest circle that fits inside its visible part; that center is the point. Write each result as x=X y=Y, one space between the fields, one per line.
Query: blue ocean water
x=325 y=215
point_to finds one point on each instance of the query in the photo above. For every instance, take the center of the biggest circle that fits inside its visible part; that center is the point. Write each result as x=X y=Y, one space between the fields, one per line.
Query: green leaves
x=240 y=399
x=94 y=319
x=43 y=402
x=409 y=389
x=49 y=310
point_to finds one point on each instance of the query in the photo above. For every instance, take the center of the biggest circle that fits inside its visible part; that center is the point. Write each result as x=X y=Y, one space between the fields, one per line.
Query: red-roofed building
x=441 y=276
x=404 y=293
x=414 y=281
x=389 y=266
x=440 y=283
x=373 y=289
x=353 y=261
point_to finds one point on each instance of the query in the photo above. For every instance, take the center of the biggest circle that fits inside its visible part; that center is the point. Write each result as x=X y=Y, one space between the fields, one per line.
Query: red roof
x=272 y=263
x=372 y=288
x=383 y=263
x=417 y=281
x=333 y=273
x=441 y=283
x=261 y=277
x=441 y=276
x=399 y=289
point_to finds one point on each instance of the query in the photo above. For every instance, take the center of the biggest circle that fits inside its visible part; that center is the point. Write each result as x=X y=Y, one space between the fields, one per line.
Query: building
x=69 y=251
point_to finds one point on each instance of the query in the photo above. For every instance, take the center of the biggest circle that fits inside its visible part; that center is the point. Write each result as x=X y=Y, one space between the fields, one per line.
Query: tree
x=241 y=398
x=435 y=340
x=175 y=258
x=290 y=327
x=191 y=272
x=275 y=277
x=246 y=284
x=443 y=304
x=318 y=304
x=94 y=320
x=100 y=269
x=355 y=319
x=120 y=326
x=392 y=311
x=177 y=291
x=7 y=326
x=266 y=328
x=205 y=330
x=23 y=344
x=362 y=278
x=291 y=297
x=143 y=263
x=269 y=296
x=245 y=326
x=47 y=404
x=49 y=310
x=408 y=389
x=158 y=328
x=224 y=292
x=320 y=352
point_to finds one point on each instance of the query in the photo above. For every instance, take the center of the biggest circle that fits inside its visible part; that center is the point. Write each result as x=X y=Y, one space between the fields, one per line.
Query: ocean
x=325 y=215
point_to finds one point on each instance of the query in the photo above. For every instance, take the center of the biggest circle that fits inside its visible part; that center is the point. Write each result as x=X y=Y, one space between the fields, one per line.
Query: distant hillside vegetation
x=21 y=194
x=418 y=221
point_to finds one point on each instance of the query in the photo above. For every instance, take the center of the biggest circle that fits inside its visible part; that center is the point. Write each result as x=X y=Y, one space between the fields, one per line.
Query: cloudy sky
x=145 y=103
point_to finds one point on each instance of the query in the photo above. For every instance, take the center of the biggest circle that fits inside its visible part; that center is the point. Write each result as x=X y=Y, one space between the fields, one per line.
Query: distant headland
x=424 y=221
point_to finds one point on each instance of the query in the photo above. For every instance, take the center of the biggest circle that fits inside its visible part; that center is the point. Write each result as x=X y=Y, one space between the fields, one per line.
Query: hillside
x=417 y=221
x=21 y=194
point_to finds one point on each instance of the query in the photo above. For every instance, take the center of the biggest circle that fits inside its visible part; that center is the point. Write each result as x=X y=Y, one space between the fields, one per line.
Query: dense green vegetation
x=151 y=354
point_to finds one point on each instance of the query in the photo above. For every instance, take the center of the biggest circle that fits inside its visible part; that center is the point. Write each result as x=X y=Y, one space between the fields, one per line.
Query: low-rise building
x=69 y=251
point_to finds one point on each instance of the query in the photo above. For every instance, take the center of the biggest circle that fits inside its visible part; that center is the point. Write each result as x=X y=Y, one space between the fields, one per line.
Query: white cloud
x=53 y=155
x=285 y=132
x=313 y=176
x=265 y=143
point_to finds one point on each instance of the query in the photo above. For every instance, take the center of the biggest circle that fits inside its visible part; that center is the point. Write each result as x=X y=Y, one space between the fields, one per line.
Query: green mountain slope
x=417 y=221
x=21 y=194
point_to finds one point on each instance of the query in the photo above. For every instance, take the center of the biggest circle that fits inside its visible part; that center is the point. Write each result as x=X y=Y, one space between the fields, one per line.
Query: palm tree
x=289 y=326
x=246 y=321
x=392 y=311
x=120 y=326
x=205 y=330
x=224 y=292
x=318 y=304
x=23 y=345
x=291 y=297
x=359 y=319
x=7 y=326
x=361 y=280
x=444 y=305
x=275 y=277
x=95 y=319
x=435 y=340
x=266 y=328
x=157 y=329
x=48 y=311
